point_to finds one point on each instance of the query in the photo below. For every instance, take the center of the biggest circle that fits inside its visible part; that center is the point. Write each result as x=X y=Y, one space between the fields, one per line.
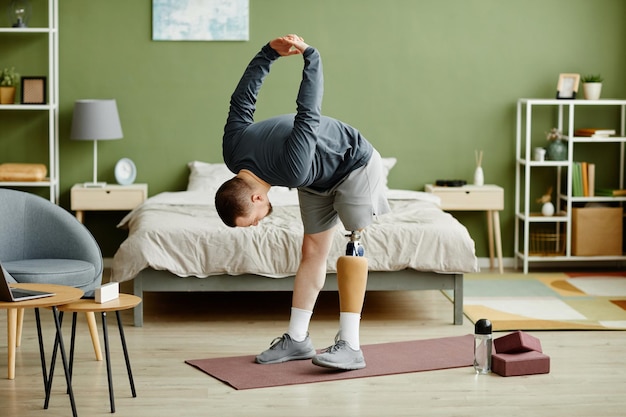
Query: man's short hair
x=232 y=200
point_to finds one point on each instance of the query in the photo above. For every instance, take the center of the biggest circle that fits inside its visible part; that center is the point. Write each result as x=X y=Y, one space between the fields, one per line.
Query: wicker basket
x=547 y=243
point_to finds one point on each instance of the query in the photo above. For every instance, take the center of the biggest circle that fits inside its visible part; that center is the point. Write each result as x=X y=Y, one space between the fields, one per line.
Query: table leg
x=107 y=355
x=11 y=334
x=18 y=332
x=490 y=234
x=42 y=354
x=498 y=237
x=59 y=340
x=93 y=331
x=53 y=361
x=72 y=344
x=126 y=358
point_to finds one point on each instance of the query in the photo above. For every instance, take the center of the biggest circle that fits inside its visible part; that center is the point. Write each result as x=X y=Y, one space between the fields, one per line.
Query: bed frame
x=150 y=280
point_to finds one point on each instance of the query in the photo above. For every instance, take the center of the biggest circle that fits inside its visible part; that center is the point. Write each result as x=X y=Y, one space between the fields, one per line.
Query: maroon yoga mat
x=241 y=372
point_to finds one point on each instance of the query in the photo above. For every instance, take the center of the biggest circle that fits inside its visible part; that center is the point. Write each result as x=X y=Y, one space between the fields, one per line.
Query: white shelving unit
x=52 y=107
x=525 y=218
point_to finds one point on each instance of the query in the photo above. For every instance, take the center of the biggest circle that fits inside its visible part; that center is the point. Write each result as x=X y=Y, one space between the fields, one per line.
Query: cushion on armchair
x=71 y=272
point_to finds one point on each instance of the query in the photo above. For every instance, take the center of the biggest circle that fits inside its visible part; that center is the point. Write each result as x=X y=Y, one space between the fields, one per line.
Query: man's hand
x=289 y=45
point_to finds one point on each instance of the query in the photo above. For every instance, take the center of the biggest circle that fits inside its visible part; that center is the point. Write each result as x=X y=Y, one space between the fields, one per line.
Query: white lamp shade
x=96 y=120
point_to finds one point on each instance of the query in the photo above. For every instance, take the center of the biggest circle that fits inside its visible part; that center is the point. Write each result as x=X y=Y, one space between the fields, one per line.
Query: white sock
x=299 y=324
x=349 y=324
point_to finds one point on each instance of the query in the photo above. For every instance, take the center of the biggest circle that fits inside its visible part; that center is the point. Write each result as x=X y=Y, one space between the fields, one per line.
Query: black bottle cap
x=483 y=326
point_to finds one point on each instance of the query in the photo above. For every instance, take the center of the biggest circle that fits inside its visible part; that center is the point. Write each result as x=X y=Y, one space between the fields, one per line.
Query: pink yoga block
x=517 y=342
x=516 y=364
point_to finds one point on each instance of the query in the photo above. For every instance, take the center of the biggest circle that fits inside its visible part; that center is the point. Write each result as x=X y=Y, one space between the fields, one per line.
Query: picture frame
x=204 y=20
x=567 y=87
x=34 y=90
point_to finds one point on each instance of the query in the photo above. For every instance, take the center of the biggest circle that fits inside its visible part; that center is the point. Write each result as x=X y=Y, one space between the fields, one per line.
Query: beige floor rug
x=547 y=301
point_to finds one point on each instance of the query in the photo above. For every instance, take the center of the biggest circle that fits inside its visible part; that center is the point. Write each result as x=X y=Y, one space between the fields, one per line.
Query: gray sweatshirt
x=301 y=150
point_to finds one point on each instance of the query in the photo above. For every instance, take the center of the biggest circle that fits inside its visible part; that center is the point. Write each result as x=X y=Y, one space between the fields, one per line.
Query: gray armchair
x=41 y=242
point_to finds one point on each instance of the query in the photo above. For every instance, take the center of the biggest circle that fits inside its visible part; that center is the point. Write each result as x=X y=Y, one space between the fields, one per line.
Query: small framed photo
x=33 y=90
x=567 y=86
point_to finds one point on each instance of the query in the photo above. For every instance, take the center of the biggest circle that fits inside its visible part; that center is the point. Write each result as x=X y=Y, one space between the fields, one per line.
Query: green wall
x=427 y=81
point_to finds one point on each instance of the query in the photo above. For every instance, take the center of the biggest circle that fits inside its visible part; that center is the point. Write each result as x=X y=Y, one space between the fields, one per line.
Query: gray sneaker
x=285 y=349
x=340 y=356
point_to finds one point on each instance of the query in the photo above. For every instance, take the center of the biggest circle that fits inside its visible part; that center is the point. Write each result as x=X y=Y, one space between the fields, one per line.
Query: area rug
x=241 y=372
x=547 y=301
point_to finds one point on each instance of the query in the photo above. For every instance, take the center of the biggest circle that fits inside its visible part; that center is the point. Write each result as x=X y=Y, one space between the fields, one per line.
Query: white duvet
x=180 y=232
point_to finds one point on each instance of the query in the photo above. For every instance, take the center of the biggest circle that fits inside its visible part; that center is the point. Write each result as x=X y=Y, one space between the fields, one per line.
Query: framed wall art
x=567 y=86
x=33 y=90
x=200 y=20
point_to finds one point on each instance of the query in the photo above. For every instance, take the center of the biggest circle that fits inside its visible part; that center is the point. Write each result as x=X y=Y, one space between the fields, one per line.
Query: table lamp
x=96 y=120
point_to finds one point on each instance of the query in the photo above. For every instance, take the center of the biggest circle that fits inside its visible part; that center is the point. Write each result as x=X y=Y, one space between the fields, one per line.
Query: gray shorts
x=355 y=200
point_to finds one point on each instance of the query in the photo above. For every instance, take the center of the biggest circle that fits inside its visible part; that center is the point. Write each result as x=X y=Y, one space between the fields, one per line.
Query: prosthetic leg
x=352 y=276
x=346 y=353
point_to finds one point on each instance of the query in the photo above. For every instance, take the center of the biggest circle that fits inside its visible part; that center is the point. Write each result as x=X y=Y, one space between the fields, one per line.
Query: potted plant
x=557 y=148
x=8 y=81
x=592 y=86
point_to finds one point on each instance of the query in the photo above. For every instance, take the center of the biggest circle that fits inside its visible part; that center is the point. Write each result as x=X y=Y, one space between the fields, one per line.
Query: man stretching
x=339 y=176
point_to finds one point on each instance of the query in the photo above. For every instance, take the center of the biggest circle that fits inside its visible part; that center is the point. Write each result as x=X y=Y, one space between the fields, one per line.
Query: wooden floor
x=587 y=378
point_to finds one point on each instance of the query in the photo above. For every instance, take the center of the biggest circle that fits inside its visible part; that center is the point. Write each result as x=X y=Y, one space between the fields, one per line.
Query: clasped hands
x=289 y=45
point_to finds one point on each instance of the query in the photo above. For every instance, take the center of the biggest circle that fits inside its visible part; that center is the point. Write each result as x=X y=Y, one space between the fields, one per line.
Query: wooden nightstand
x=489 y=198
x=109 y=197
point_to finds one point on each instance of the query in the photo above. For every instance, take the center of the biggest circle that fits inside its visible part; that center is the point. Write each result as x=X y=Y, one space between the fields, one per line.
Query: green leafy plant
x=8 y=77
x=592 y=78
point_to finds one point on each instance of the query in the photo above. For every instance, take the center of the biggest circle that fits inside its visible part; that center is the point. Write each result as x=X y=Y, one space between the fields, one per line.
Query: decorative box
x=516 y=364
x=517 y=342
x=597 y=231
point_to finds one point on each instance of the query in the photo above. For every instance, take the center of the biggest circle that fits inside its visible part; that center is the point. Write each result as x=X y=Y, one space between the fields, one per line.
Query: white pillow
x=207 y=177
x=388 y=163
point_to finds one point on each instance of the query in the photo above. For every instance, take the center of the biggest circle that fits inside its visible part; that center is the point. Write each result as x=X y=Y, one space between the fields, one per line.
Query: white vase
x=479 y=176
x=591 y=91
x=547 y=209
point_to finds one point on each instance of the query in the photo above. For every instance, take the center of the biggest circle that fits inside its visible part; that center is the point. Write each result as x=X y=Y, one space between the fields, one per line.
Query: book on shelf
x=583 y=179
x=577 y=183
x=610 y=192
x=591 y=177
x=594 y=132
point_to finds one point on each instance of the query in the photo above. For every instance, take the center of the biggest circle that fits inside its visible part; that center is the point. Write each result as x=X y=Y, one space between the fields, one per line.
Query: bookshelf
x=44 y=24
x=541 y=239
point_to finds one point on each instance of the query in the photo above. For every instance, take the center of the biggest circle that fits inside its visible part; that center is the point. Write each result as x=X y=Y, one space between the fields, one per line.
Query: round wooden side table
x=62 y=295
x=123 y=302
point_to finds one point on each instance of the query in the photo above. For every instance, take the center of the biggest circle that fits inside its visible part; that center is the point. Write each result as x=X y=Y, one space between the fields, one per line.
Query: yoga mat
x=241 y=372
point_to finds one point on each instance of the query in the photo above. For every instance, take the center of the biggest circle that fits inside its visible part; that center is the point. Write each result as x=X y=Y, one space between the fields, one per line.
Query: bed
x=176 y=242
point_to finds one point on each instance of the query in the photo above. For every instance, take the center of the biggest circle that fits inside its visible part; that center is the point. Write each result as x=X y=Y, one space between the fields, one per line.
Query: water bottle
x=482 y=346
